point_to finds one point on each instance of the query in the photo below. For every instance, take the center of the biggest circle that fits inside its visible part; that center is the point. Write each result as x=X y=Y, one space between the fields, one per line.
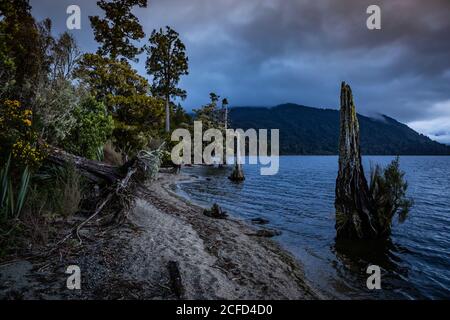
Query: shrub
x=388 y=189
x=17 y=136
x=93 y=128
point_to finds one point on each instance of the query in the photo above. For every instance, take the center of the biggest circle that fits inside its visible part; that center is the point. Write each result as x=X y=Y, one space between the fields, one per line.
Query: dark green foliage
x=388 y=189
x=118 y=29
x=24 y=46
x=166 y=63
x=210 y=114
x=180 y=119
x=107 y=78
x=305 y=130
x=137 y=116
x=93 y=128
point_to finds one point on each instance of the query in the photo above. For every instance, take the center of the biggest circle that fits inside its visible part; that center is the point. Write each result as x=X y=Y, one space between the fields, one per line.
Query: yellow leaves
x=27 y=154
x=12 y=104
x=14 y=116
x=17 y=135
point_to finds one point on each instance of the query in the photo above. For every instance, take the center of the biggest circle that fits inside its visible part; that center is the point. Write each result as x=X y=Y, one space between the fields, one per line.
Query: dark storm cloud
x=266 y=52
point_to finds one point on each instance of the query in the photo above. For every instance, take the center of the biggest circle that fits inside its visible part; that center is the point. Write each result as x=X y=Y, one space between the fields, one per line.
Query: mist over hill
x=307 y=130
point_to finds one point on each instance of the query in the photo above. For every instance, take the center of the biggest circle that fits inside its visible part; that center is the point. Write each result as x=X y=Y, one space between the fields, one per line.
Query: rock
x=266 y=233
x=259 y=221
x=215 y=212
x=354 y=214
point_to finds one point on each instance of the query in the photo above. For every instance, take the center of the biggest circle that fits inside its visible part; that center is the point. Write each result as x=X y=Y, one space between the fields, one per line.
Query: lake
x=299 y=201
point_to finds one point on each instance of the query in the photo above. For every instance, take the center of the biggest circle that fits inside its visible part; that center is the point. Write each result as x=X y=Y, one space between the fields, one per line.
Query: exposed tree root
x=120 y=183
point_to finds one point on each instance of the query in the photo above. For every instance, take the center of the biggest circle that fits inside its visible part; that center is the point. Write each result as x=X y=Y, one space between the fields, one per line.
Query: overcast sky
x=268 y=52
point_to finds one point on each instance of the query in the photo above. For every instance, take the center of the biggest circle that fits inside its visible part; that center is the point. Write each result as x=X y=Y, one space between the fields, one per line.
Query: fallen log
x=94 y=171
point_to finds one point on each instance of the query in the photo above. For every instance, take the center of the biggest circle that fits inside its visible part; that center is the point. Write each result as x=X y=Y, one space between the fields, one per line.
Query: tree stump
x=238 y=174
x=354 y=210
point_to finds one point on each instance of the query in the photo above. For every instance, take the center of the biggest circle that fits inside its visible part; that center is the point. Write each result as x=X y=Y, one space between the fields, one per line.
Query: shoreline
x=216 y=258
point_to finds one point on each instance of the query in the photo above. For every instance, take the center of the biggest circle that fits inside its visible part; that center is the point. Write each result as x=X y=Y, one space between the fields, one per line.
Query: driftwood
x=175 y=279
x=354 y=210
x=259 y=221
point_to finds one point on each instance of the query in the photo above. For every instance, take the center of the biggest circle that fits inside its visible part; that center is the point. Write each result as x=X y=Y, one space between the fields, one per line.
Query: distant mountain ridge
x=312 y=131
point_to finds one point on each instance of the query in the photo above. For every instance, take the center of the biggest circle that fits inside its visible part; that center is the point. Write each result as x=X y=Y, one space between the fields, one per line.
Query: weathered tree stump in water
x=354 y=210
x=238 y=174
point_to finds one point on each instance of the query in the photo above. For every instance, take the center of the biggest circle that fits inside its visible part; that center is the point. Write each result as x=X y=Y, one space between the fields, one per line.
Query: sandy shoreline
x=217 y=259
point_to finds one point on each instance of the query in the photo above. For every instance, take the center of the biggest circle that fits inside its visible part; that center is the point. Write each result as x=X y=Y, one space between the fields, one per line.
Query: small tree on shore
x=166 y=62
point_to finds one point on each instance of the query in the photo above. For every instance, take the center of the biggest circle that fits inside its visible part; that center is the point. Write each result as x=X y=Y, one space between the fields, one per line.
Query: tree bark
x=167 y=114
x=95 y=171
x=354 y=210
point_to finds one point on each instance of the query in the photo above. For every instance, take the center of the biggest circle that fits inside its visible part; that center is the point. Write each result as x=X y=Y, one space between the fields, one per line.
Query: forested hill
x=306 y=130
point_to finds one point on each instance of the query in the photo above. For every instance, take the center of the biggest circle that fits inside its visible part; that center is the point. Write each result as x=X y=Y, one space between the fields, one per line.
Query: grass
x=12 y=196
x=30 y=210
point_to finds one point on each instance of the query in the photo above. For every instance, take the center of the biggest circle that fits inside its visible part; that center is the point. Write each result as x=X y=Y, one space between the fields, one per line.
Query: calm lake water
x=299 y=201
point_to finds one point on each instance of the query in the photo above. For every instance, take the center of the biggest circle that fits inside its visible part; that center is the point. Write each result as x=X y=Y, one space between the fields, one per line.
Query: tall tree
x=166 y=62
x=65 y=57
x=24 y=47
x=118 y=29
